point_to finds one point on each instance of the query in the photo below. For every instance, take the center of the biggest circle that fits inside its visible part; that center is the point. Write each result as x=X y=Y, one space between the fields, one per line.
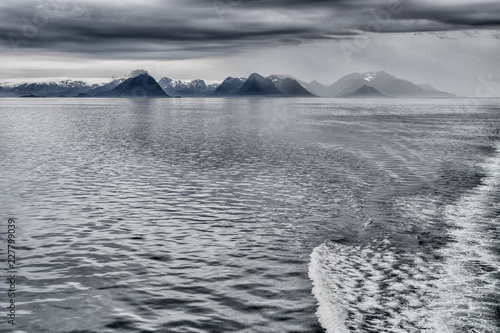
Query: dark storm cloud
x=191 y=28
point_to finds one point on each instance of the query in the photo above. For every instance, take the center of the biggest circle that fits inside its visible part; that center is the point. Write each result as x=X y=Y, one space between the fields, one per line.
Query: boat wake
x=382 y=287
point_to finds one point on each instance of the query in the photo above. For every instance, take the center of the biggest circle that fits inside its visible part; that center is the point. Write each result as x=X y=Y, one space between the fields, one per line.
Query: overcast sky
x=451 y=44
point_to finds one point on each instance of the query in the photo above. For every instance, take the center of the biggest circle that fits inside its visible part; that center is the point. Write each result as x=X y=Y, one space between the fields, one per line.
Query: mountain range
x=46 y=89
x=355 y=85
x=384 y=83
x=257 y=85
x=194 y=88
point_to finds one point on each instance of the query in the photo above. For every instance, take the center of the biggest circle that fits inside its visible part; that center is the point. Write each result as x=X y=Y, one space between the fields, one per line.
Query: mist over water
x=253 y=215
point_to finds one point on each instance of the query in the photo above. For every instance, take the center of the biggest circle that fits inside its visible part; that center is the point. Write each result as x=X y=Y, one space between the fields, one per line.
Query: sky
x=453 y=45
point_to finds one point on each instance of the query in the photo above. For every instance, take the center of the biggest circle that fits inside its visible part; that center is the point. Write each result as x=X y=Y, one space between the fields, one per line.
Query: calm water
x=252 y=215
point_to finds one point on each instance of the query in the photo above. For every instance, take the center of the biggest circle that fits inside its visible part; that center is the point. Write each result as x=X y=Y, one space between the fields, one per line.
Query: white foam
x=356 y=290
x=375 y=289
x=465 y=284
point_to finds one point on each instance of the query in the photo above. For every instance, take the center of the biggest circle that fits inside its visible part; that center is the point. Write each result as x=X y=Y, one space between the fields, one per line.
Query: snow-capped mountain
x=66 y=88
x=190 y=88
x=385 y=83
x=371 y=75
x=62 y=88
x=254 y=85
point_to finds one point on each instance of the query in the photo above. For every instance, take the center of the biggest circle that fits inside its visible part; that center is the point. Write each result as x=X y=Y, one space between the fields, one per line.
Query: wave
x=382 y=287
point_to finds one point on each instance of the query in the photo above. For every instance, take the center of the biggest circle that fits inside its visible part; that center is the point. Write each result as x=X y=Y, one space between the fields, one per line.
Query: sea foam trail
x=469 y=286
x=378 y=287
x=370 y=288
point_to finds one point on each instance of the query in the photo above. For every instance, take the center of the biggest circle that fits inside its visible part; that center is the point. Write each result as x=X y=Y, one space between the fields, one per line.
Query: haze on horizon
x=452 y=45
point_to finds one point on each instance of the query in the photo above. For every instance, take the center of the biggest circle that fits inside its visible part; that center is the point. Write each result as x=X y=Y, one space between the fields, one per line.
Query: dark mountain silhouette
x=366 y=92
x=385 y=83
x=289 y=86
x=228 y=87
x=140 y=86
x=257 y=85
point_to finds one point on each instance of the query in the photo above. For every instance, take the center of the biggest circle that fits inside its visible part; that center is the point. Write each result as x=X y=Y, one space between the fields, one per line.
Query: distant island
x=142 y=85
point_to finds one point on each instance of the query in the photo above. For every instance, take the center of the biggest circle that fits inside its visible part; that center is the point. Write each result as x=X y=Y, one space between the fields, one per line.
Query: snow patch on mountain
x=369 y=76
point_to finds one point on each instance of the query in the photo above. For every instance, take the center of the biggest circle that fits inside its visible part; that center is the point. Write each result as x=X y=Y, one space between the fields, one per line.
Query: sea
x=250 y=215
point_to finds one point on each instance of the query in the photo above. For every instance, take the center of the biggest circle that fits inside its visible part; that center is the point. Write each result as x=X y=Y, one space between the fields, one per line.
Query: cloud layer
x=179 y=29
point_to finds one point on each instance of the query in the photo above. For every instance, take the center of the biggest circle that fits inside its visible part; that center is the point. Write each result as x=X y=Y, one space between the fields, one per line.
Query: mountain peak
x=141 y=86
x=142 y=76
x=137 y=72
x=370 y=76
x=290 y=87
x=275 y=77
x=256 y=76
x=257 y=85
x=228 y=87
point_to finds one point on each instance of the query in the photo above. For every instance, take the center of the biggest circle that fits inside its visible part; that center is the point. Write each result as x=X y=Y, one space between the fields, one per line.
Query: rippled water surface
x=253 y=215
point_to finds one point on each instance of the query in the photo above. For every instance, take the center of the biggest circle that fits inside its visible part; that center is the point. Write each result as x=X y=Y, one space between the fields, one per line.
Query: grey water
x=252 y=215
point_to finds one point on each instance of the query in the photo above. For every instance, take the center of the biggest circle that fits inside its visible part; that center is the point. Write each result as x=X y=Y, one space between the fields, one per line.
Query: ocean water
x=252 y=215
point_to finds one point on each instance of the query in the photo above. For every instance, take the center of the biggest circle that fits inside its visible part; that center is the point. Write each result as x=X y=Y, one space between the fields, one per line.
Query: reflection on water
x=200 y=215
